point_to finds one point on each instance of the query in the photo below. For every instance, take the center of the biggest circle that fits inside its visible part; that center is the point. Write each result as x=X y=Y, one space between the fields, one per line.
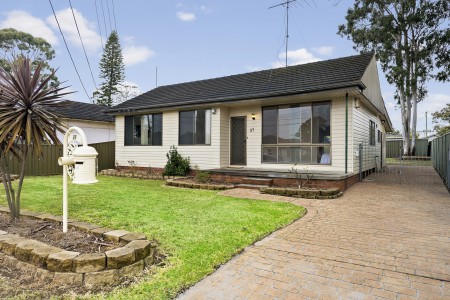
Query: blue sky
x=193 y=40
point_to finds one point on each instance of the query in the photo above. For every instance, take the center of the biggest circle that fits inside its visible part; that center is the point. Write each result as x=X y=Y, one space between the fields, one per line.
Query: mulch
x=51 y=233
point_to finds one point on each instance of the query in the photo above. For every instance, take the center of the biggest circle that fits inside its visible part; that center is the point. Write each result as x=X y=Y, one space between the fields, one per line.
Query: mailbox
x=84 y=159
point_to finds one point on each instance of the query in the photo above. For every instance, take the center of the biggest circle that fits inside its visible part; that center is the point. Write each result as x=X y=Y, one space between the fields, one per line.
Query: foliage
x=442 y=120
x=26 y=120
x=200 y=175
x=112 y=71
x=176 y=165
x=411 y=40
x=299 y=176
x=17 y=45
x=198 y=229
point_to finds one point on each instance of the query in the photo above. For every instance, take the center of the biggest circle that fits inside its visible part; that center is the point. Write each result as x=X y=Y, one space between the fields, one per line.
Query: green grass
x=197 y=229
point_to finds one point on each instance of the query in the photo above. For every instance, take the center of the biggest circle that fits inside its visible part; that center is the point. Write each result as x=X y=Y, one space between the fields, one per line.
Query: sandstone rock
x=9 y=261
x=133 y=236
x=106 y=277
x=39 y=255
x=132 y=270
x=43 y=275
x=4 y=209
x=23 y=249
x=115 y=235
x=83 y=226
x=142 y=248
x=2 y=232
x=119 y=257
x=72 y=279
x=9 y=244
x=61 y=261
x=42 y=216
x=89 y=262
x=26 y=268
x=100 y=231
x=29 y=213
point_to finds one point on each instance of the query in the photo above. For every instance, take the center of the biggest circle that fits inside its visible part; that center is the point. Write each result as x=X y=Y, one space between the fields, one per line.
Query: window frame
x=208 y=113
x=372 y=130
x=133 y=130
x=327 y=147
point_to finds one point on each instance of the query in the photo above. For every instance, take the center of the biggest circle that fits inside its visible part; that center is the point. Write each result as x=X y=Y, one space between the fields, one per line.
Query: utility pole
x=285 y=3
x=426 y=124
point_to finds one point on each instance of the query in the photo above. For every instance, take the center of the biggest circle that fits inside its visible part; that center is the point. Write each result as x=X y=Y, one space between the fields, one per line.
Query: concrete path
x=378 y=241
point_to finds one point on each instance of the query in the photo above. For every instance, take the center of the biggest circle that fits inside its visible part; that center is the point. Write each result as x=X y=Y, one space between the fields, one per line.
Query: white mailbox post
x=79 y=162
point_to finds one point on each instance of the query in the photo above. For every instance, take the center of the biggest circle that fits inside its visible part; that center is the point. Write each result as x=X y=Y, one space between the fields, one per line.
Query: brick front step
x=250 y=186
x=257 y=181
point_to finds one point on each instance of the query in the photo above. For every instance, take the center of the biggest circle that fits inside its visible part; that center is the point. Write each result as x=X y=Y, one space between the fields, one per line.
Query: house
x=260 y=124
x=92 y=118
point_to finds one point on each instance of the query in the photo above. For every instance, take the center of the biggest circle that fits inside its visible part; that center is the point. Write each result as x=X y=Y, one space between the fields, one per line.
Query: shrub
x=176 y=165
x=200 y=175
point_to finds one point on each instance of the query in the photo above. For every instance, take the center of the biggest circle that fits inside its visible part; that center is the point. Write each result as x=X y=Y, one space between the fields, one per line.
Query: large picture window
x=296 y=134
x=143 y=130
x=195 y=127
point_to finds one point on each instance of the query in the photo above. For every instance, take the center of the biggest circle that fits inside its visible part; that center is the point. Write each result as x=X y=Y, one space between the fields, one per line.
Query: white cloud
x=324 y=50
x=23 y=21
x=186 y=17
x=91 y=39
x=133 y=55
x=295 y=57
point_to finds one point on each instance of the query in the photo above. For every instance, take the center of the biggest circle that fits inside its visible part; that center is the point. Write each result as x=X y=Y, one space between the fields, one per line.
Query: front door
x=238 y=141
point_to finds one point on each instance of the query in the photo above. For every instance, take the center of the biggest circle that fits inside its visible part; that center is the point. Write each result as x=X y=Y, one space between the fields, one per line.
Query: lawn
x=198 y=229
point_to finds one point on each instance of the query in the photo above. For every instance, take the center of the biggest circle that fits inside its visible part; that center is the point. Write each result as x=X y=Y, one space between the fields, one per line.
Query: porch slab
x=268 y=173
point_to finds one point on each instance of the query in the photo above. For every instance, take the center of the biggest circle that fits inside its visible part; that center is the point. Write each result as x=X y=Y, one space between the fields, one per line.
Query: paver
x=379 y=241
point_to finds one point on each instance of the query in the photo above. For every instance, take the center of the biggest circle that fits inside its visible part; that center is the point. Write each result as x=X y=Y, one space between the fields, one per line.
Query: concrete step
x=250 y=186
x=257 y=181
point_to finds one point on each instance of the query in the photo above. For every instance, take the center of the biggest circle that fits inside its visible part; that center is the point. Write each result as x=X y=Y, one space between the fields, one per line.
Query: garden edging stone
x=45 y=262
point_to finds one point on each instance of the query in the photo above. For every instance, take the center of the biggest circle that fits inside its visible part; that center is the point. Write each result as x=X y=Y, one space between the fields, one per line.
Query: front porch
x=283 y=178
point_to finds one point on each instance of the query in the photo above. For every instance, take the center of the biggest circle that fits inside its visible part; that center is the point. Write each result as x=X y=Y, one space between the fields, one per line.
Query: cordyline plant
x=26 y=121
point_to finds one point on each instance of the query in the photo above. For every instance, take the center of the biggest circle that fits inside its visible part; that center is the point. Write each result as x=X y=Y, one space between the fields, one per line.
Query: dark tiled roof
x=322 y=75
x=83 y=111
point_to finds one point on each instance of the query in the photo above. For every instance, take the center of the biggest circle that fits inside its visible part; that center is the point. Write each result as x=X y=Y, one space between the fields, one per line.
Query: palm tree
x=26 y=121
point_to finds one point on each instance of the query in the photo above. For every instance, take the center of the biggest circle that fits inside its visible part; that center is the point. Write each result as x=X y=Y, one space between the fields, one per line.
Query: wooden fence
x=48 y=163
x=394 y=148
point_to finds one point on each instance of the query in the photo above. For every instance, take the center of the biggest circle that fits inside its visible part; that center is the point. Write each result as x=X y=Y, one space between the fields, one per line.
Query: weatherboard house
x=260 y=124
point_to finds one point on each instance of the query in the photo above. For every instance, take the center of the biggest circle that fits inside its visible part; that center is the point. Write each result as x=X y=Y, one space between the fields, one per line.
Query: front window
x=195 y=127
x=296 y=134
x=143 y=130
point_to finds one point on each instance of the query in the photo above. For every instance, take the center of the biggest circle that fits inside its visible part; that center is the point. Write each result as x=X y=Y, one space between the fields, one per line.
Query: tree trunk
x=21 y=178
x=405 y=122
x=414 y=121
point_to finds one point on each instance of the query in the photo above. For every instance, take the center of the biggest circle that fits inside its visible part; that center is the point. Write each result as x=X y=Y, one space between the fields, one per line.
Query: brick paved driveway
x=378 y=241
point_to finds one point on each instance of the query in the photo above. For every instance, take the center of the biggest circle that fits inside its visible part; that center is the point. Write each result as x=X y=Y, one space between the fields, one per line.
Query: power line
x=104 y=20
x=98 y=22
x=114 y=15
x=109 y=16
x=67 y=47
x=82 y=44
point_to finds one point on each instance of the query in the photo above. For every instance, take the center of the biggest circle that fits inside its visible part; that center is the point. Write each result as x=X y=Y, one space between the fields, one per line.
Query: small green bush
x=176 y=165
x=200 y=175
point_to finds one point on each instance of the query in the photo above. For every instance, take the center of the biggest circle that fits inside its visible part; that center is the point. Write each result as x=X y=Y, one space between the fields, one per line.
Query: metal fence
x=48 y=163
x=394 y=148
x=441 y=157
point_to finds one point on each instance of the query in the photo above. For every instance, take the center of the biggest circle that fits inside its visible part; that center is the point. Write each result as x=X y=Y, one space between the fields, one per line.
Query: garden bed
x=331 y=193
x=192 y=183
x=87 y=255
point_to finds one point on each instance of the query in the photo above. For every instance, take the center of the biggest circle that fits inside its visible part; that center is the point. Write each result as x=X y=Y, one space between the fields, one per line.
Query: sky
x=194 y=40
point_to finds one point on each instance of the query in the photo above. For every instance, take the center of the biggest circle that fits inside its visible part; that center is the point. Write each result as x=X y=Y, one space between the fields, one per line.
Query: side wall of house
x=96 y=132
x=205 y=156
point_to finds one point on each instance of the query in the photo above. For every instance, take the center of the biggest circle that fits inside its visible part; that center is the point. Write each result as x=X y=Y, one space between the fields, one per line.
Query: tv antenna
x=286 y=4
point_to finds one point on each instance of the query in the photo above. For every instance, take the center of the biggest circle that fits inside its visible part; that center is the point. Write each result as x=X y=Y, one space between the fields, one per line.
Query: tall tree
x=112 y=71
x=442 y=120
x=16 y=45
x=26 y=121
x=409 y=38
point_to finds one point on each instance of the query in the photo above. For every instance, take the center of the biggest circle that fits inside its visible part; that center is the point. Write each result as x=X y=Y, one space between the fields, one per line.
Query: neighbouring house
x=92 y=118
x=260 y=124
